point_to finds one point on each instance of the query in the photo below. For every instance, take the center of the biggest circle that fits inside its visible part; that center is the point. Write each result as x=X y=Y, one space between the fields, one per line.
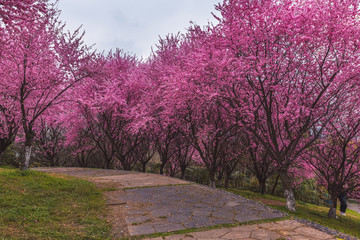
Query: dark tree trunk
x=162 y=166
x=226 y=181
x=183 y=170
x=220 y=175
x=125 y=165
x=275 y=184
x=262 y=183
x=143 y=167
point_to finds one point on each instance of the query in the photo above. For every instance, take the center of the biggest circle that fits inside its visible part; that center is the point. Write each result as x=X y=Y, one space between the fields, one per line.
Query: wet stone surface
x=171 y=208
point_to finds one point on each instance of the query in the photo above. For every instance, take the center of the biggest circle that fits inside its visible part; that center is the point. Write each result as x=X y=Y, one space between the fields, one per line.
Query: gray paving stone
x=267 y=214
x=178 y=218
x=221 y=221
x=201 y=221
x=136 y=219
x=246 y=218
x=134 y=212
x=167 y=227
x=160 y=213
x=190 y=206
x=190 y=224
x=226 y=213
x=141 y=229
x=201 y=212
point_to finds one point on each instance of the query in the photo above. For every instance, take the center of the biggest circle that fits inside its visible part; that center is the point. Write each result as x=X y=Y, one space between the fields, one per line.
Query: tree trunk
x=226 y=181
x=182 y=173
x=108 y=163
x=220 y=175
x=212 y=182
x=332 y=210
x=163 y=163
x=126 y=166
x=227 y=177
x=27 y=156
x=275 y=184
x=29 y=136
x=143 y=167
x=81 y=160
x=288 y=191
x=262 y=184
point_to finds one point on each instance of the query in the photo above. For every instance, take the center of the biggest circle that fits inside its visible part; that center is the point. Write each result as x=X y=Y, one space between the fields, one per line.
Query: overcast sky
x=133 y=25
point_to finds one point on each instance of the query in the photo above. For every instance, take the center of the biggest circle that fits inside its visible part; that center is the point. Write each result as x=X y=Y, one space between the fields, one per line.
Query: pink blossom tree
x=293 y=63
x=190 y=96
x=42 y=63
x=109 y=104
x=144 y=152
x=21 y=10
x=161 y=65
x=12 y=14
x=81 y=148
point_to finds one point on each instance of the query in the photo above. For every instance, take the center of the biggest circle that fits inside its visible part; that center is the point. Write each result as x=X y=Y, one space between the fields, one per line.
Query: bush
x=153 y=167
x=10 y=157
x=197 y=174
x=310 y=192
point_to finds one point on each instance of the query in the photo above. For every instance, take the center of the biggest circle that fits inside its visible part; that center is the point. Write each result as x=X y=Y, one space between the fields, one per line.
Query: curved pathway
x=149 y=203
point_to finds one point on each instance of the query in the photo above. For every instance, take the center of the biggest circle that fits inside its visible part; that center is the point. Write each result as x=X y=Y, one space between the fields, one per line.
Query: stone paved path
x=152 y=203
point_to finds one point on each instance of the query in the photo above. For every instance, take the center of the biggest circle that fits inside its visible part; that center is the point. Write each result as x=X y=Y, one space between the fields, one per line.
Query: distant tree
x=82 y=149
x=235 y=155
x=9 y=125
x=49 y=144
x=144 y=152
x=259 y=162
x=96 y=127
x=183 y=154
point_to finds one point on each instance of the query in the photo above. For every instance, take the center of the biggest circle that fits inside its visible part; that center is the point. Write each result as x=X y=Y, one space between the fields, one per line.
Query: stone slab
x=191 y=206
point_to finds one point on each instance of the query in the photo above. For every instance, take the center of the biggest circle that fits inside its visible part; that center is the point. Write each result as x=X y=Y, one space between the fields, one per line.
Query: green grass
x=36 y=205
x=4 y=167
x=348 y=224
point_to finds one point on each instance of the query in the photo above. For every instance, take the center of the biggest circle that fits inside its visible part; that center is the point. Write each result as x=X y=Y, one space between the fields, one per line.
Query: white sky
x=133 y=25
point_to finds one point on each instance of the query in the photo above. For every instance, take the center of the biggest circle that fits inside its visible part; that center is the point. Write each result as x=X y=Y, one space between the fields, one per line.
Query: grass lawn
x=349 y=224
x=36 y=205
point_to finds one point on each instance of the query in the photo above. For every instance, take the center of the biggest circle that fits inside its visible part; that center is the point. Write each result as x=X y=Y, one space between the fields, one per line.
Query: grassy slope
x=349 y=224
x=35 y=205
